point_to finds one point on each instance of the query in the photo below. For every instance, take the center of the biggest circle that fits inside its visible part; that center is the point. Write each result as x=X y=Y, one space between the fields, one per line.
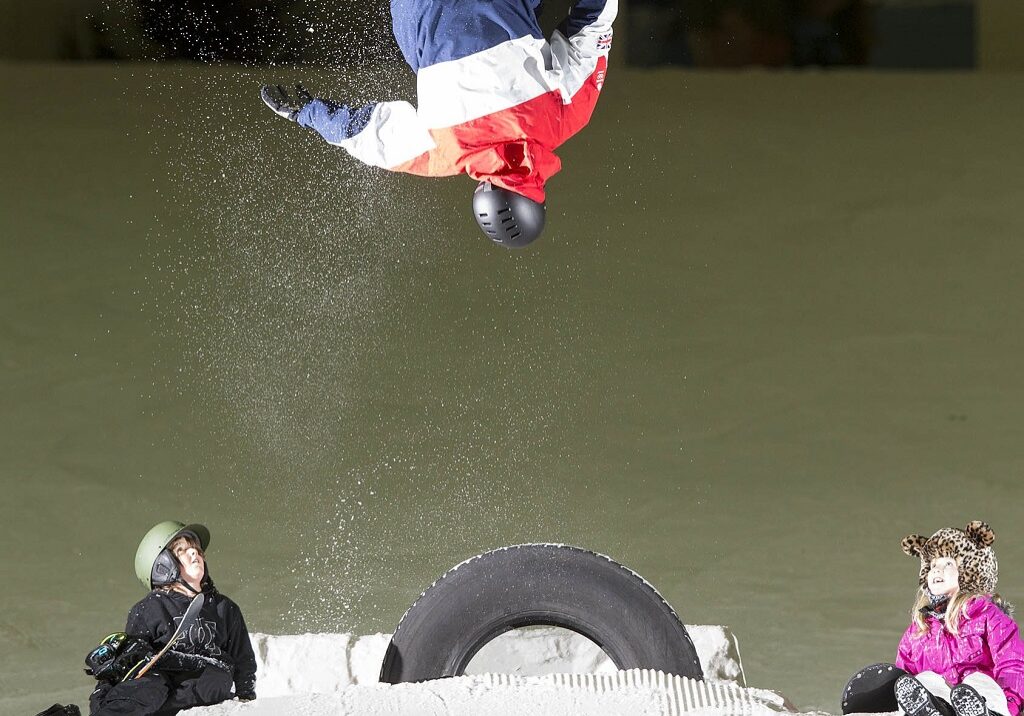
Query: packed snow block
x=365 y=657
x=542 y=650
x=329 y=663
x=302 y=664
x=719 y=653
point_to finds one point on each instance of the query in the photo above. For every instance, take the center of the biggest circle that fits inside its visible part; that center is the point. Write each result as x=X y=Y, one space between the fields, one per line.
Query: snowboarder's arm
x=588 y=28
x=382 y=134
x=1003 y=639
x=579 y=60
x=143 y=624
x=385 y=134
x=239 y=647
x=904 y=652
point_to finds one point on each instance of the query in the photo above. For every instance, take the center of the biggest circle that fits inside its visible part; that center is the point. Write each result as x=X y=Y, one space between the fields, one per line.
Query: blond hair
x=954 y=613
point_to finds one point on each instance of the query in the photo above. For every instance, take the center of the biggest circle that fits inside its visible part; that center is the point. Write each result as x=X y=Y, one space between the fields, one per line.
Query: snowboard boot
x=58 y=710
x=914 y=699
x=967 y=701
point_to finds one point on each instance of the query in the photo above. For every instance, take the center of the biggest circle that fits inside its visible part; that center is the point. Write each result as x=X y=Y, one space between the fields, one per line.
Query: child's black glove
x=285 y=102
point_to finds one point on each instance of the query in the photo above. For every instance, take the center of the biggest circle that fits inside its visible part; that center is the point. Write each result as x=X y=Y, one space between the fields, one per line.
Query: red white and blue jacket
x=495 y=98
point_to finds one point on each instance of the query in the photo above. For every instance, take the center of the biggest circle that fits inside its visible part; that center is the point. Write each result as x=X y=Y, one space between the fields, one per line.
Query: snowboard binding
x=116 y=656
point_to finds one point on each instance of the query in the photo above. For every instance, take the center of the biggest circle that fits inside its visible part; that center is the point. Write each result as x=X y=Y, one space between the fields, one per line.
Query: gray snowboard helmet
x=154 y=564
x=507 y=218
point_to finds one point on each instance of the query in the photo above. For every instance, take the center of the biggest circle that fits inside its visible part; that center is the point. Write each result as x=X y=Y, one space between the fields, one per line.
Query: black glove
x=286 y=102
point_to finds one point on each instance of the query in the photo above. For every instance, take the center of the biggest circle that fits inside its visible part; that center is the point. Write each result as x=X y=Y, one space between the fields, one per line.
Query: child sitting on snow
x=962 y=654
x=962 y=647
x=212 y=654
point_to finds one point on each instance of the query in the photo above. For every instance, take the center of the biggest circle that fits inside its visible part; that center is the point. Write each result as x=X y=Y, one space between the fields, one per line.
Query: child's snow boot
x=914 y=699
x=967 y=701
x=58 y=710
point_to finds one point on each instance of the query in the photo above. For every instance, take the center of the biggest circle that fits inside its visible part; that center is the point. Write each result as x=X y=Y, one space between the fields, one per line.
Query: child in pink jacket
x=962 y=648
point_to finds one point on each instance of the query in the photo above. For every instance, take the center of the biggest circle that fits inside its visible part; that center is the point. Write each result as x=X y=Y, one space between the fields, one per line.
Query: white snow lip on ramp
x=635 y=692
x=526 y=672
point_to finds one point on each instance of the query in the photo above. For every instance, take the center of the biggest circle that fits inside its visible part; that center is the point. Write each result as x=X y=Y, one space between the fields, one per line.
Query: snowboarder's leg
x=935 y=684
x=98 y=694
x=137 y=697
x=211 y=686
x=405 y=16
x=425 y=29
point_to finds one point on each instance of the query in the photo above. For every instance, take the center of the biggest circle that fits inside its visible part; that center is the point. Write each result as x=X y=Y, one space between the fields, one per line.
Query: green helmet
x=156 y=541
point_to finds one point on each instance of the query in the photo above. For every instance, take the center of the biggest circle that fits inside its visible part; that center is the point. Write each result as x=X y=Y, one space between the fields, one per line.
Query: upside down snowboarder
x=495 y=99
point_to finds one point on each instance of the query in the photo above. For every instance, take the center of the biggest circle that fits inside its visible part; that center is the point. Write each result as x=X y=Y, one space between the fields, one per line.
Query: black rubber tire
x=534 y=584
x=870 y=690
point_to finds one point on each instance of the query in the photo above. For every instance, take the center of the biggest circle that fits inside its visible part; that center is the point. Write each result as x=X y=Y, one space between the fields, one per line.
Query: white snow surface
x=541 y=670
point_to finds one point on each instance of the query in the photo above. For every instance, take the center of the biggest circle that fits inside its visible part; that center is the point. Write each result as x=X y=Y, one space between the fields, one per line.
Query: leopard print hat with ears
x=970 y=547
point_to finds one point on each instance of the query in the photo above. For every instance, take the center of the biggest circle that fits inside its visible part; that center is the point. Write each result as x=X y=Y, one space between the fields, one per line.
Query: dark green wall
x=344 y=31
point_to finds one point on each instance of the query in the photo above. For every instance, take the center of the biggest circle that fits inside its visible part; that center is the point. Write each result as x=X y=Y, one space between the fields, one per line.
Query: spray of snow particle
x=284 y=275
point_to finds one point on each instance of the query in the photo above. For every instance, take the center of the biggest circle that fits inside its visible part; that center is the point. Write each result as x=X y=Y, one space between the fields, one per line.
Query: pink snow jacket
x=988 y=642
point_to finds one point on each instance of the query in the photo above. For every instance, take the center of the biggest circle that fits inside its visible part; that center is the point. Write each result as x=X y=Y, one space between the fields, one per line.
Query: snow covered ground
x=524 y=672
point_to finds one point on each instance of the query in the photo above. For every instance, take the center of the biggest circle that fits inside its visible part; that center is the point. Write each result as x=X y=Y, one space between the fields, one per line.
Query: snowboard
x=187 y=619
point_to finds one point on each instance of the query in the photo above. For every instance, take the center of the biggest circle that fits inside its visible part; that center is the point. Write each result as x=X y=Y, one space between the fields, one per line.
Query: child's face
x=944 y=577
x=193 y=564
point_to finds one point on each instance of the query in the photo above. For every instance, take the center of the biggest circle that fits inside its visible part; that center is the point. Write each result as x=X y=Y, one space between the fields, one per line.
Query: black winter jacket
x=218 y=637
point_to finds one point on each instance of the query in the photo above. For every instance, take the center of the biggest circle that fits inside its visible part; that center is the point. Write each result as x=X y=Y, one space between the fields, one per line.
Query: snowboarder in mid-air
x=495 y=100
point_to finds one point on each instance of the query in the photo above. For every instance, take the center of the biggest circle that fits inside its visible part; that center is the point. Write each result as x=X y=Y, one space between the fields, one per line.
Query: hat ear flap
x=980 y=533
x=913 y=544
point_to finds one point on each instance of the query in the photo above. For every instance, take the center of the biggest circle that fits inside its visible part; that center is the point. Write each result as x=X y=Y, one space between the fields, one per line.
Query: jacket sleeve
x=240 y=649
x=579 y=60
x=384 y=134
x=144 y=625
x=588 y=21
x=1007 y=652
x=904 y=652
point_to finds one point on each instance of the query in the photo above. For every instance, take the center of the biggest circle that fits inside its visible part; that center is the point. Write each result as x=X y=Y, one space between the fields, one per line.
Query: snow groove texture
x=637 y=692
